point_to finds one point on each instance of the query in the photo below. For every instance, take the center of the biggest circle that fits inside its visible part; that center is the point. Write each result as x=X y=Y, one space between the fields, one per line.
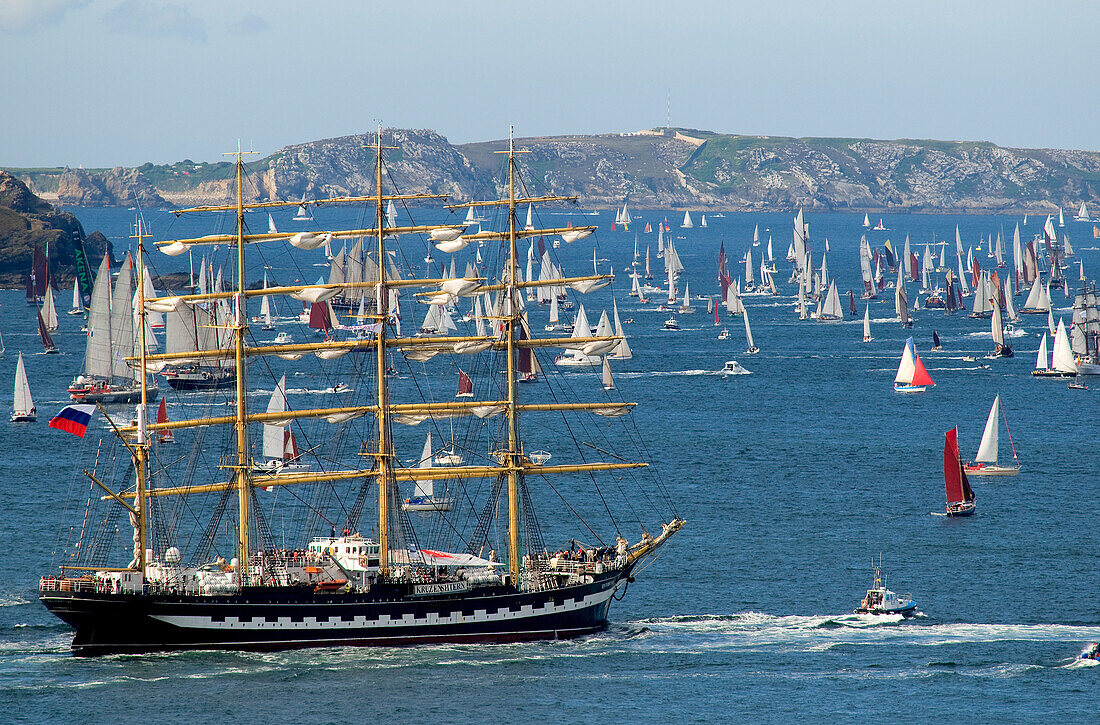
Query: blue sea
x=791 y=479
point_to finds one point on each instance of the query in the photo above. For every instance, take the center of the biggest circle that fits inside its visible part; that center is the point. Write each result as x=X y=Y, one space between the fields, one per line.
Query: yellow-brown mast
x=141 y=449
x=240 y=327
x=510 y=330
x=382 y=309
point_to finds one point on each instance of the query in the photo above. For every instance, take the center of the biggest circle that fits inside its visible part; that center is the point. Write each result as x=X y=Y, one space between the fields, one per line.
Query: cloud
x=26 y=14
x=251 y=24
x=151 y=18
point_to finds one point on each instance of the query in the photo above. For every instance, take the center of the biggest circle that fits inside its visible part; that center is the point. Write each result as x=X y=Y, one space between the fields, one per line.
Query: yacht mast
x=140 y=450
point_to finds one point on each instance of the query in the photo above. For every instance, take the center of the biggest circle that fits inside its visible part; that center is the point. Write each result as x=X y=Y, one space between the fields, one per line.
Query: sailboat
x=936 y=346
x=78 y=303
x=911 y=376
x=48 y=348
x=621 y=351
x=1061 y=218
x=108 y=377
x=624 y=218
x=49 y=309
x=1083 y=214
x=22 y=409
x=997 y=330
x=831 y=310
x=703 y=221
x=302 y=214
x=1062 y=363
x=267 y=321
x=687 y=221
x=867 y=324
x=165 y=435
x=424 y=499
x=752 y=348
x=985 y=463
x=605 y=376
x=866 y=222
x=242 y=587
x=960 y=497
x=280 y=449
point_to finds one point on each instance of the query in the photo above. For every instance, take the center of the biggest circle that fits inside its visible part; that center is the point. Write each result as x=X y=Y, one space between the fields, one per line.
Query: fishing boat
x=867 y=324
x=108 y=378
x=22 y=409
x=960 y=497
x=400 y=588
x=985 y=462
x=911 y=376
x=880 y=600
x=165 y=434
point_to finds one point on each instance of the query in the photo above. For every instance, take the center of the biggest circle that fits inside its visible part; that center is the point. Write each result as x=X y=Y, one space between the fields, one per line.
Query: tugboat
x=880 y=600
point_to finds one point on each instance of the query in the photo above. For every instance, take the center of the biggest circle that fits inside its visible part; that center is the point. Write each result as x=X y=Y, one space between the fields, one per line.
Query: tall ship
x=109 y=376
x=225 y=556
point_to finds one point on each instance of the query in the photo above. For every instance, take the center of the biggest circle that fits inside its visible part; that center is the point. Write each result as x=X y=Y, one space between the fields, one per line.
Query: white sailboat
x=703 y=222
x=1061 y=218
x=1041 y=357
x=621 y=351
x=831 y=311
x=22 y=409
x=279 y=446
x=867 y=324
x=530 y=223
x=49 y=310
x=866 y=222
x=686 y=307
x=1083 y=214
x=303 y=214
x=271 y=228
x=78 y=304
x=985 y=463
x=605 y=376
x=752 y=348
x=911 y=376
x=687 y=221
x=423 y=498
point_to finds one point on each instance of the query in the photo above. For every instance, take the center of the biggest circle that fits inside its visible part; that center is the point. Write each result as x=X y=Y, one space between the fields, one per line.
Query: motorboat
x=880 y=600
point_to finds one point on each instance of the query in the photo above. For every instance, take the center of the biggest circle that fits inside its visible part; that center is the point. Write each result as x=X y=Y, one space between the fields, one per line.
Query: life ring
x=206 y=376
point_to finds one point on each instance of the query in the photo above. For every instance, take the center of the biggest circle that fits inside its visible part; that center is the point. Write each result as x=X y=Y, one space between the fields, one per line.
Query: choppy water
x=790 y=479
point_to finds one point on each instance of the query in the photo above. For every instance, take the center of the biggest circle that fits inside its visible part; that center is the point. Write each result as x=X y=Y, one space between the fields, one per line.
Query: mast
x=240 y=328
x=140 y=450
x=381 y=308
x=513 y=433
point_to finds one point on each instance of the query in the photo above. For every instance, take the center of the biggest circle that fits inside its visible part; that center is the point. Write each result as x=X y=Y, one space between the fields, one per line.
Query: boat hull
x=906 y=611
x=981 y=469
x=960 y=508
x=275 y=618
x=899 y=388
x=1052 y=374
x=109 y=396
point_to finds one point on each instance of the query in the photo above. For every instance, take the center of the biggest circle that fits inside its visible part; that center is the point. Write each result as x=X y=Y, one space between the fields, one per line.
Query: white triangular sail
x=987 y=449
x=605 y=376
x=273 y=443
x=1042 y=356
x=687 y=221
x=1062 y=357
x=832 y=309
x=867 y=324
x=425 y=486
x=49 y=309
x=23 y=403
x=748 y=331
x=907 y=367
x=622 y=351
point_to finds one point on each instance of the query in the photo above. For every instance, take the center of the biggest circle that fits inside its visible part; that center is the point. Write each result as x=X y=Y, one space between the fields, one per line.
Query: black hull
x=199 y=383
x=278 y=618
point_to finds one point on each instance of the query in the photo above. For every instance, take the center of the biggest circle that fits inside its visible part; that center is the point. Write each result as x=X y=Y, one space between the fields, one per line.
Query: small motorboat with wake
x=732 y=367
x=672 y=324
x=880 y=600
x=1092 y=652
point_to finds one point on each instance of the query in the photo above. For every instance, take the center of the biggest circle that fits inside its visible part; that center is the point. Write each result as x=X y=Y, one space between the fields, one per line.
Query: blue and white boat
x=880 y=600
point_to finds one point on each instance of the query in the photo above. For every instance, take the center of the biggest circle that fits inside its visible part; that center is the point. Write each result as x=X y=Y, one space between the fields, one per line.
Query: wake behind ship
x=205 y=573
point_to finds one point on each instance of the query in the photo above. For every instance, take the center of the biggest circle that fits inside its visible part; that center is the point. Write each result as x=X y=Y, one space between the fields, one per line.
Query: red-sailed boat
x=960 y=497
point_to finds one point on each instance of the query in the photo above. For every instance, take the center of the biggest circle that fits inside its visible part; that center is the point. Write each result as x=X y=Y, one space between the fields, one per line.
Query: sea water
x=791 y=479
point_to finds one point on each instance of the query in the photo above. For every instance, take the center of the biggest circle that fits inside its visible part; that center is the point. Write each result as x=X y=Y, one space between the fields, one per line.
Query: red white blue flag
x=73 y=419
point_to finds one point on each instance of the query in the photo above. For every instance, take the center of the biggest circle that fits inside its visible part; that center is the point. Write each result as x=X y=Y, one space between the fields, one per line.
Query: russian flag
x=73 y=419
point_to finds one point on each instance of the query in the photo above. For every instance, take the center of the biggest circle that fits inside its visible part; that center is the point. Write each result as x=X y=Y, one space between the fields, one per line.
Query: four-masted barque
x=235 y=585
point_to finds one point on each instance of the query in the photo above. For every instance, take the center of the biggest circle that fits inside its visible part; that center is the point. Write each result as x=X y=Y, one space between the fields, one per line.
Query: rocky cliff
x=664 y=168
x=27 y=221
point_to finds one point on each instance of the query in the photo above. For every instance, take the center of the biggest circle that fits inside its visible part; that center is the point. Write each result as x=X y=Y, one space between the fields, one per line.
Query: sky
x=122 y=82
